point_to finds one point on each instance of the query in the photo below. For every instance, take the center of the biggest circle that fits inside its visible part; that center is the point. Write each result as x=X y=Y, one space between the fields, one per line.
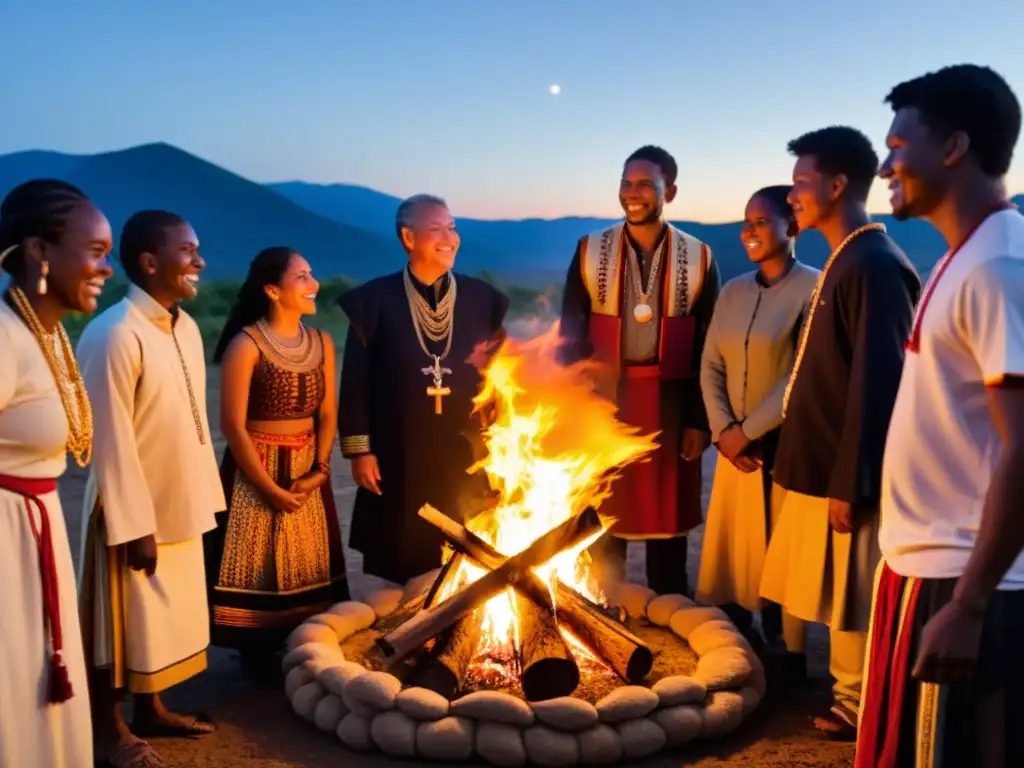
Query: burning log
x=547 y=668
x=603 y=636
x=447 y=663
x=430 y=623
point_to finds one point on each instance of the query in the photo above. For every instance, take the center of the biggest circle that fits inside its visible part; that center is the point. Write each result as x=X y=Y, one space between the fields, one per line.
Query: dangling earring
x=41 y=286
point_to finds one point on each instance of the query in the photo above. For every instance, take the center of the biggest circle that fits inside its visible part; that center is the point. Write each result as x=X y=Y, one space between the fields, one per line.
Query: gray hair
x=408 y=208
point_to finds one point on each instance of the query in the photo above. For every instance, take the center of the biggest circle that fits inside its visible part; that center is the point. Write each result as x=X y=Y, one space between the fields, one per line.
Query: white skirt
x=735 y=539
x=33 y=732
x=152 y=632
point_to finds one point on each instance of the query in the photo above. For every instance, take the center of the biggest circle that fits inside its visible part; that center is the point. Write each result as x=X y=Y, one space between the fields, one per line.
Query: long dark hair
x=253 y=303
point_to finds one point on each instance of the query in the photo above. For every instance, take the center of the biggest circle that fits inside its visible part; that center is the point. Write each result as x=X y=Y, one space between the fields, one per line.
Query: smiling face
x=78 y=262
x=643 y=192
x=432 y=241
x=916 y=166
x=297 y=290
x=173 y=269
x=764 y=231
x=813 y=195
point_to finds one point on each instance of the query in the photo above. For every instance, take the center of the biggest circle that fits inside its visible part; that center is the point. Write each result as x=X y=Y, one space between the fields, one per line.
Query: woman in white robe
x=54 y=245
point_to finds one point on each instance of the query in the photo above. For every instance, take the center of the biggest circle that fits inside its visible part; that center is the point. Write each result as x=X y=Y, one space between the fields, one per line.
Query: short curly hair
x=971 y=99
x=660 y=157
x=837 y=150
x=144 y=232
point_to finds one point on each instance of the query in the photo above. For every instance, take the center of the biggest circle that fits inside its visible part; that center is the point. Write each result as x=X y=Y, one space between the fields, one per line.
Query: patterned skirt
x=268 y=571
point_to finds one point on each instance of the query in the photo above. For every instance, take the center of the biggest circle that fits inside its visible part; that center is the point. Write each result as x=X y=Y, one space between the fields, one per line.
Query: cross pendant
x=437 y=390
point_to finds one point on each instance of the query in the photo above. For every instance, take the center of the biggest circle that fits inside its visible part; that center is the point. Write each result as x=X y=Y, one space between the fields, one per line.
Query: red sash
x=30 y=489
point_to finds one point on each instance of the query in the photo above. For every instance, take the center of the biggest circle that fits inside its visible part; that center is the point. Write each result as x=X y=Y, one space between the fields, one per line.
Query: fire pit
x=704 y=680
x=514 y=649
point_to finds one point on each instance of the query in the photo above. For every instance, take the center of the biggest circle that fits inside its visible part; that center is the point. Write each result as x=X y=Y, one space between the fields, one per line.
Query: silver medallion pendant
x=643 y=314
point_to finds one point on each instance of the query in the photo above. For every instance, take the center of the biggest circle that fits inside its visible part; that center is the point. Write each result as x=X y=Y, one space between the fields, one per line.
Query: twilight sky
x=451 y=96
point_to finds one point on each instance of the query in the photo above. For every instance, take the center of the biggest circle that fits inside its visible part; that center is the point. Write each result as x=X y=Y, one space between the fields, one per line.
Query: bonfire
x=518 y=597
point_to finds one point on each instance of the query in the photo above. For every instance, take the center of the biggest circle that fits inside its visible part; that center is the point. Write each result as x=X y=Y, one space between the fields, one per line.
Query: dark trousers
x=976 y=722
x=666 y=562
x=771 y=619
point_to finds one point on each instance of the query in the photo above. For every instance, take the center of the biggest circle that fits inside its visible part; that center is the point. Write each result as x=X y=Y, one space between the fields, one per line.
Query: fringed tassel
x=60 y=682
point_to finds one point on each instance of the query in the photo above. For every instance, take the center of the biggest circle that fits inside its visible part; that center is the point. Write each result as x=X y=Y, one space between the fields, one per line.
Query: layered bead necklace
x=436 y=325
x=60 y=357
x=298 y=355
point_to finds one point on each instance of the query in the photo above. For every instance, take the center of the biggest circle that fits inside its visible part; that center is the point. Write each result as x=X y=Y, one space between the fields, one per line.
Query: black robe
x=837 y=418
x=423 y=456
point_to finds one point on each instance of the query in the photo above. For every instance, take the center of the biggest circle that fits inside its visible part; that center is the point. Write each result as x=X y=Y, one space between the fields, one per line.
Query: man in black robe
x=407 y=385
x=824 y=551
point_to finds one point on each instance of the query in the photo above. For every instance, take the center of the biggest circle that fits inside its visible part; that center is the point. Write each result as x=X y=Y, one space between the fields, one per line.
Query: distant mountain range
x=349 y=230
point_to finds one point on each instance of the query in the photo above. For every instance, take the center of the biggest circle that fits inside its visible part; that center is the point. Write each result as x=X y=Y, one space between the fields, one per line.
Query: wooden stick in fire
x=425 y=599
x=445 y=666
x=432 y=622
x=547 y=669
x=605 y=637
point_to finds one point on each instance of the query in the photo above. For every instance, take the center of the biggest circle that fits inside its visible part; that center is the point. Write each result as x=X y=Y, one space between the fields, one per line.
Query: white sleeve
x=9 y=368
x=111 y=363
x=992 y=317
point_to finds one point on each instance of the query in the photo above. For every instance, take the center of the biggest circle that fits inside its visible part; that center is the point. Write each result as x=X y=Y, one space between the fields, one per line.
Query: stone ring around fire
x=329 y=684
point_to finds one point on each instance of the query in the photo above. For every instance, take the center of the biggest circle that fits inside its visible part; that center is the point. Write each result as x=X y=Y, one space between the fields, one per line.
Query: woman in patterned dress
x=276 y=555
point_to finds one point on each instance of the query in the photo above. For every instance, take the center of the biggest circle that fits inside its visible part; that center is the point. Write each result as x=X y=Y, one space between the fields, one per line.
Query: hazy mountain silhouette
x=234 y=217
x=348 y=229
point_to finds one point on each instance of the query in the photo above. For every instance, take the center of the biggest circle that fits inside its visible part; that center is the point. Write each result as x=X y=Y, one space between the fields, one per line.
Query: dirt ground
x=257 y=728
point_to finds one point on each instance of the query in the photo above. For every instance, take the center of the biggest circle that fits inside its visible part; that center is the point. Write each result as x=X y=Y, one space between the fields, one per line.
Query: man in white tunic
x=153 y=491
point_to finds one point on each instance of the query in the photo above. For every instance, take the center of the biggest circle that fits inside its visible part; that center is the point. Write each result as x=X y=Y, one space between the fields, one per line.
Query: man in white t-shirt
x=945 y=673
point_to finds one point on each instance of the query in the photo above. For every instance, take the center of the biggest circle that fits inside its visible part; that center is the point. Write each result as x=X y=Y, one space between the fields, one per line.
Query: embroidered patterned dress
x=269 y=570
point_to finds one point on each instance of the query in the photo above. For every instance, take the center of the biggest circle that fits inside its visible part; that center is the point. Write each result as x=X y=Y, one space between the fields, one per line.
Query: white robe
x=33 y=433
x=154 y=473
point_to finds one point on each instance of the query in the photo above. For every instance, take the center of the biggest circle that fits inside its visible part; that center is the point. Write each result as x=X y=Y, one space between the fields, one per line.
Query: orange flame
x=553 y=449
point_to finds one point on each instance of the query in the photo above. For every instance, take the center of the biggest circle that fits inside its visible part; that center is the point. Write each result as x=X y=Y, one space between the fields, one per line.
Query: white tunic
x=155 y=473
x=33 y=433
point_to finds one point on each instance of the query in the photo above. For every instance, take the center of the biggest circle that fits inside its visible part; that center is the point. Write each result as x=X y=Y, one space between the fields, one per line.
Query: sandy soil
x=259 y=730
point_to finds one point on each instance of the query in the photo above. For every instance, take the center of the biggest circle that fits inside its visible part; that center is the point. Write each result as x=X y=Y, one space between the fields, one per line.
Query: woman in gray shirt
x=747 y=360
